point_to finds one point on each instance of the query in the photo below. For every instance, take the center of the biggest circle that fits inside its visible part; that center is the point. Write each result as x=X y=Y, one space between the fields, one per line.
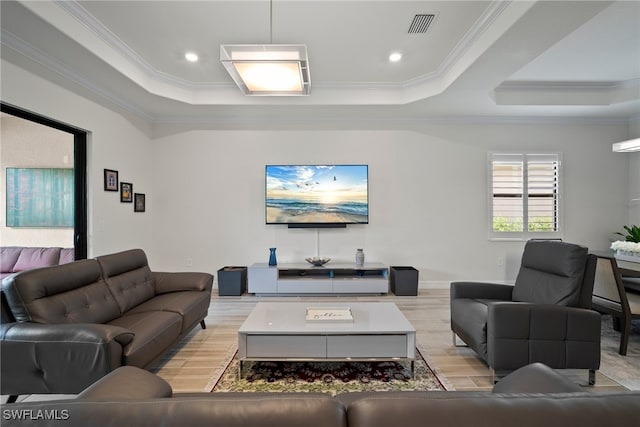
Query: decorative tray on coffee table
x=329 y=315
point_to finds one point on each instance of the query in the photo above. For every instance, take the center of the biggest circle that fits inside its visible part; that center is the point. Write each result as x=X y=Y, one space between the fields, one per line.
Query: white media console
x=336 y=278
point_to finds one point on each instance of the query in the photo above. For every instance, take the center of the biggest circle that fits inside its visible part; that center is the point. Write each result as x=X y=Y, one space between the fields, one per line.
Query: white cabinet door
x=262 y=279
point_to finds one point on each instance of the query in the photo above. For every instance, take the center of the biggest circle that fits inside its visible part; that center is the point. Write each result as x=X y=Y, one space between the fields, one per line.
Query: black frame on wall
x=80 y=167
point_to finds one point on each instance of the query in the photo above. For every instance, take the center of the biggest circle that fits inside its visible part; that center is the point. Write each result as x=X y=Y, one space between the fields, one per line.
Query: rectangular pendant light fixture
x=269 y=69
x=627 y=146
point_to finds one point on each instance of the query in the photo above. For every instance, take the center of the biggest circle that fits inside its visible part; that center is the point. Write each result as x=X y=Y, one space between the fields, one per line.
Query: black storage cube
x=404 y=281
x=232 y=281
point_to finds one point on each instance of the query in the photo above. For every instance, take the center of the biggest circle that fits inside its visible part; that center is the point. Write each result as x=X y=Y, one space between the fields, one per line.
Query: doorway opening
x=42 y=152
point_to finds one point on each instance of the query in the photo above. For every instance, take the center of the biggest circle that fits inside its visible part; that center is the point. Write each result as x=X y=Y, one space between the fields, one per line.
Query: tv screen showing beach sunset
x=317 y=194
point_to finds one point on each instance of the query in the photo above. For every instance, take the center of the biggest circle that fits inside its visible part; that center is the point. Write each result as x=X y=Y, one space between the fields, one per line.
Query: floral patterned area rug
x=327 y=377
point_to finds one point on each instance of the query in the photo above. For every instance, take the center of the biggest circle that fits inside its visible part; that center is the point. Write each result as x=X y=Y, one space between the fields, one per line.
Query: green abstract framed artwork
x=39 y=197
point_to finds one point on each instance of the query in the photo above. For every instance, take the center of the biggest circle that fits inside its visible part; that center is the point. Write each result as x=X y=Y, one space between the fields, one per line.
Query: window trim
x=525 y=234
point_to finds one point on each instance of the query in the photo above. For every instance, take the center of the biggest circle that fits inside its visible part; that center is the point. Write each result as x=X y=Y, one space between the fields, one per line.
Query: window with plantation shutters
x=524 y=195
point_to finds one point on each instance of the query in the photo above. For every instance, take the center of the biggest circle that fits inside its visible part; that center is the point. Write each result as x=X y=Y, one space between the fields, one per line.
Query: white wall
x=115 y=142
x=205 y=186
x=428 y=193
x=27 y=144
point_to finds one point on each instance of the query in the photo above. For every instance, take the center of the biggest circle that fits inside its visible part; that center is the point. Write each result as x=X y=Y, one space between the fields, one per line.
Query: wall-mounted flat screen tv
x=317 y=195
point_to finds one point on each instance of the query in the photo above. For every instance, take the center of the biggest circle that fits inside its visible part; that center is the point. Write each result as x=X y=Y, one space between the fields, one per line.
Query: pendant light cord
x=270 y=21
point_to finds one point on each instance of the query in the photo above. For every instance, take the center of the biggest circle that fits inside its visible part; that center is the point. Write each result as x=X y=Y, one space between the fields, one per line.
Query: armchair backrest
x=555 y=272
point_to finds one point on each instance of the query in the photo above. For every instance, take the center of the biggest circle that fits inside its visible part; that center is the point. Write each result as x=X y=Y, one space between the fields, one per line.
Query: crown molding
x=250 y=121
x=566 y=93
x=23 y=48
x=30 y=52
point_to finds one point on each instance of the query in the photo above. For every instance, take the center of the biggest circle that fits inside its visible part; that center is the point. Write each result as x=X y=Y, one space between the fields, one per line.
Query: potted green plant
x=630 y=246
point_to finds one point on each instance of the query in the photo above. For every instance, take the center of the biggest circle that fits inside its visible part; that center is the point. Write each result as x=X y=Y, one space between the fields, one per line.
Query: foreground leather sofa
x=531 y=396
x=74 y=323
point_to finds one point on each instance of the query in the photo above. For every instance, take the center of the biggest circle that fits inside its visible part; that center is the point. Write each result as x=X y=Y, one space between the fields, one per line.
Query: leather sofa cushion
x=551 y=273
x=67 y=255
x=154 y=332
x=535 y=378
x=128 y=276
x=8 y=258
x=192 y=306
x=36 y=257
x=446 y=409
x=245 y=410
x=68 y=293
x=127 y=383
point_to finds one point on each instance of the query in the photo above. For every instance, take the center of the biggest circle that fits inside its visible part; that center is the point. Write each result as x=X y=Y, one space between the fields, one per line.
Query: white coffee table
x=278 y=331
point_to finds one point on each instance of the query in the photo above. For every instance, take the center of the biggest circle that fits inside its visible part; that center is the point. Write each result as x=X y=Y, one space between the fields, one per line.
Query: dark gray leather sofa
x=531 y=396
x=71 y=324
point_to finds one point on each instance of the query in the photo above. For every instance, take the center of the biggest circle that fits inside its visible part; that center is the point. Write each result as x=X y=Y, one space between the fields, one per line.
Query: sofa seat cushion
x=154 y=332
x=192 y=306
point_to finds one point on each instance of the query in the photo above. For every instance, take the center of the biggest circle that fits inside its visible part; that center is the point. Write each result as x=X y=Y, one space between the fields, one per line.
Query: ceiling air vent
x=421 y=24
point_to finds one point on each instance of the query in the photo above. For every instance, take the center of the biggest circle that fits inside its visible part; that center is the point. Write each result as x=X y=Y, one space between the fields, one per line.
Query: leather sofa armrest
x=561 y=337
x=481 y=290
x=127 y=383
x=182 y=281
x=68 y=332
x=535 y=378
x=58 y=358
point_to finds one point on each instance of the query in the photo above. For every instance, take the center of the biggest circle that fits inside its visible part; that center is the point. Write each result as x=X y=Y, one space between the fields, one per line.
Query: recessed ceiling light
x=395 y=57
x=191 y=57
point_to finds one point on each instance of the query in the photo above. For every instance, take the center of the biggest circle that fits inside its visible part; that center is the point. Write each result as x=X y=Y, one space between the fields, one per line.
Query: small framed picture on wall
x=139 y=202
x=126 y=192
x=110 y=180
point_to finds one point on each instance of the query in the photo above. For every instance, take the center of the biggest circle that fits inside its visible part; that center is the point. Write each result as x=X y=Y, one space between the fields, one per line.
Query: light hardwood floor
x=191 y=365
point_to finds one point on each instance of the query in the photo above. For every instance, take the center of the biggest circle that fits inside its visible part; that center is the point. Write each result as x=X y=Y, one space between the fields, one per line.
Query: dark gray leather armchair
x=546 y=317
